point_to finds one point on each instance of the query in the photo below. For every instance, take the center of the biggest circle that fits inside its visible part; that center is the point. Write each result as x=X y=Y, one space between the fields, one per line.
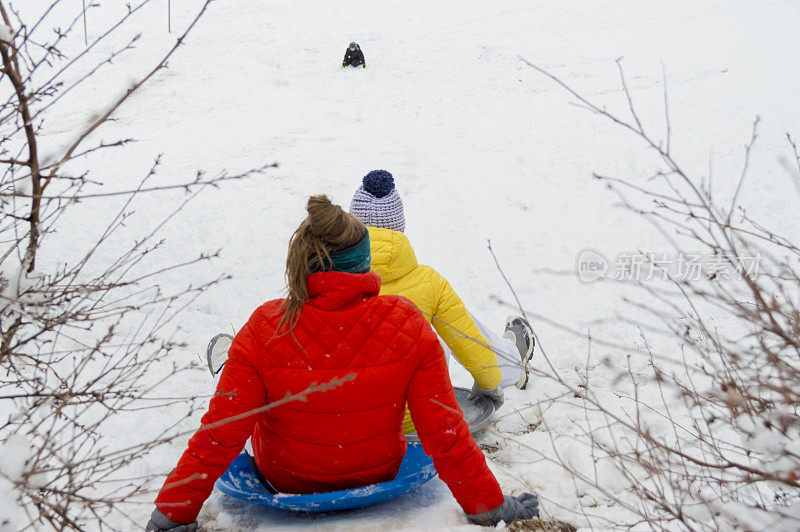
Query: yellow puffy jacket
x=394 y=260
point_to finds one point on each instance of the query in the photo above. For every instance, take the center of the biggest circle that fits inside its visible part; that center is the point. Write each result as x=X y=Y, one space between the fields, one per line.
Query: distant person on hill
x=354 y=57
x=494 y=362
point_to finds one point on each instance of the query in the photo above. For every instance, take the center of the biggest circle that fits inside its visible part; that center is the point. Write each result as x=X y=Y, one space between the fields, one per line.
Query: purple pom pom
x=379 y=183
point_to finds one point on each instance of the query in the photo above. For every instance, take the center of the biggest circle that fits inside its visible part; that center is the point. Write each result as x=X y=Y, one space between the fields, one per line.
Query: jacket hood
x=392 y=254
x=338 y=290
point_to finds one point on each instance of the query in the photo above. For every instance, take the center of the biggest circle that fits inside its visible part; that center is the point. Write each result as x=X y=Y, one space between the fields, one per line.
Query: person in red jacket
x=355 y=358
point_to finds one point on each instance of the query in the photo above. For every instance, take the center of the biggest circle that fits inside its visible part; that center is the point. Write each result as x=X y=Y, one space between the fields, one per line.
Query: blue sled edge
x=240 y=482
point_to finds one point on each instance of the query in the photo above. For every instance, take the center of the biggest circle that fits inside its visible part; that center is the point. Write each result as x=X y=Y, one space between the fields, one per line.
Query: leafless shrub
x=81 y=340
x=539 y=525
x=728 y=393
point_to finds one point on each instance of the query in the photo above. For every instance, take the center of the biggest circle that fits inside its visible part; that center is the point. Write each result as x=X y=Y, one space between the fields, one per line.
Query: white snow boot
x=519 y=331
x=217 y=352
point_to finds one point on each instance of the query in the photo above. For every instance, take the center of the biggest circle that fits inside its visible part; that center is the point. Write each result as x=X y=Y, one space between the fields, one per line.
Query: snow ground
x=481 y=146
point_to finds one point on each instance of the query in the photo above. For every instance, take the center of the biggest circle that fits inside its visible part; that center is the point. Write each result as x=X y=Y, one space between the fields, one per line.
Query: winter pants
x=508 y=356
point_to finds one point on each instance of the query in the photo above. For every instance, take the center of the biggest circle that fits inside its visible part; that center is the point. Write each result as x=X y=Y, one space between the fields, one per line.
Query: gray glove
x=161 y=523
x=525 y=506
x=495 y=394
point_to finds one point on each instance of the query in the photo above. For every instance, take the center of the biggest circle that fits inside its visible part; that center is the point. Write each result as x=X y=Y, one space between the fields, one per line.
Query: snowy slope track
x=481 y=147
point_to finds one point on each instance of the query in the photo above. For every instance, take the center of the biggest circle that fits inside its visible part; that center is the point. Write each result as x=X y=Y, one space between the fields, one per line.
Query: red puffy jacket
x=341 y=438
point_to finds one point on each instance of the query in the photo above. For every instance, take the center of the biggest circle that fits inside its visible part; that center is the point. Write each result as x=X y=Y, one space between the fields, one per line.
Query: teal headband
x=354 y=259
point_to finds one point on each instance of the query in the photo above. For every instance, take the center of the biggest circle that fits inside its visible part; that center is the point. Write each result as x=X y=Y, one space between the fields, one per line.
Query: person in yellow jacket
x=493 y=361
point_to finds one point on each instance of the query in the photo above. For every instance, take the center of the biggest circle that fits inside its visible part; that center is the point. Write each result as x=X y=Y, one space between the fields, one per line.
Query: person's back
x=350 y=435
x=394 y=260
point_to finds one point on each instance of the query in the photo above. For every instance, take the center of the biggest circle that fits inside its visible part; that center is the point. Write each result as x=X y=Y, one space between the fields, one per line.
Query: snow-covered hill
x=482 y=147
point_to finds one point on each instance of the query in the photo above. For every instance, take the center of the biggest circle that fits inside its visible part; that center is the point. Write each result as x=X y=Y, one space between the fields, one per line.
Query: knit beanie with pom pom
x=377 y=204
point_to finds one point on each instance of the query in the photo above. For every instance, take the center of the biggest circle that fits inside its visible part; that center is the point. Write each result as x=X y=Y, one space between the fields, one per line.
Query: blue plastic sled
x=240 y=482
